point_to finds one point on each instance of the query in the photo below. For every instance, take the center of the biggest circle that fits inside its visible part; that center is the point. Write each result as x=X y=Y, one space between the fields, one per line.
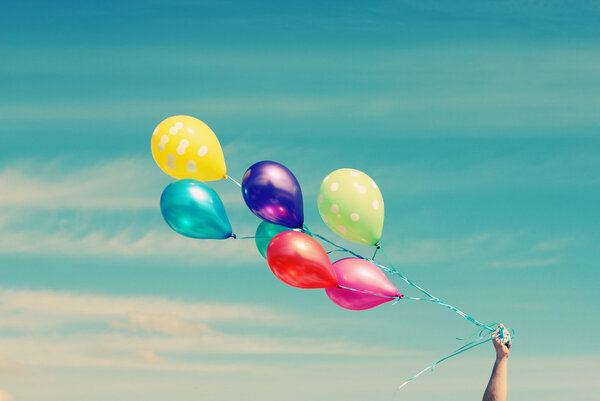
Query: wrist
x=500 y=358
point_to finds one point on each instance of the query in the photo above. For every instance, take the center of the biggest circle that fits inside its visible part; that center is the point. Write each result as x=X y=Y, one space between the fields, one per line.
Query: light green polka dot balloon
x=351 y=204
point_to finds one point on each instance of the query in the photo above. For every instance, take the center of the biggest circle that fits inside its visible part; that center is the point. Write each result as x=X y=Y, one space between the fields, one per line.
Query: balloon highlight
x=193 y=209
x=273 y=193
x=300 y=261
x=264 y=233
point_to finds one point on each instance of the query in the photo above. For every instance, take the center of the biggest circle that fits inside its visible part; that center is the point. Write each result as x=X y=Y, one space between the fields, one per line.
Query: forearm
x=496 y=388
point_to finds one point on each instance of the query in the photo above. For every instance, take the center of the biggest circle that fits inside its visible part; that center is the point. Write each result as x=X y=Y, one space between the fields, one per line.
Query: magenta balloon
x=361 y=275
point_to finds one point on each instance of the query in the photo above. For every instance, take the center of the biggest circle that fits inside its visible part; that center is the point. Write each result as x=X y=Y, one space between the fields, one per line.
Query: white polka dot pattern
x=351 y=204
x=183 y=144
x=171 y=161
x=191 y=166
x=163 y=141
x=185 y=147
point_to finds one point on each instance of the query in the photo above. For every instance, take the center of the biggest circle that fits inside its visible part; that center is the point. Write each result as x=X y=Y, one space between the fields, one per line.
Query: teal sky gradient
x=478 y=120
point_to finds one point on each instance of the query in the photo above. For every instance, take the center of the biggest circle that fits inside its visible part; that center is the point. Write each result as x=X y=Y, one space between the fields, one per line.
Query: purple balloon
x=371 y=285
x=273 y=193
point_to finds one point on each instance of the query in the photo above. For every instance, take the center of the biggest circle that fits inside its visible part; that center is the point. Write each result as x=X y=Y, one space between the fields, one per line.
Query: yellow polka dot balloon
x=185 y=147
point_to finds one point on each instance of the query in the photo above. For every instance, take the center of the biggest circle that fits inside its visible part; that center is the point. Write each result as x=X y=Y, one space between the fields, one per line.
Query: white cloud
x=56 y=308
x=162 y=244
x=119 y=184
x=166 y=324
x=9 y=365
x=552 y=245
x=63 y=329
x=5 y=395
x=148 y=357
x=32 y=222
x=524 y=263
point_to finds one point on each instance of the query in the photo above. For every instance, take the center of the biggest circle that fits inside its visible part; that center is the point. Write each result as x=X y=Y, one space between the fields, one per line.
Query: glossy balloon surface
x=273 y=193
x=265 y=233
x=300 y=261
x=371 y=284
x=193 y=209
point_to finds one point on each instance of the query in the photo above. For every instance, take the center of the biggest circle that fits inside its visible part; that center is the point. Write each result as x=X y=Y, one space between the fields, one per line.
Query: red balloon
x=300 y=261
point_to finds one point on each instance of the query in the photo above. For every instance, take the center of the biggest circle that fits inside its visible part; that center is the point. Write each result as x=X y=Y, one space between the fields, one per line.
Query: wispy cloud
x=518 y=110
x=117 y=184
x=157 y=244
x=552 y=245
x=492 y=175
x=524 y=263
x=166 y=324
x=57 y=308
x=54 y=209
x=5 y=395
x=9 y=365
x=83 y=330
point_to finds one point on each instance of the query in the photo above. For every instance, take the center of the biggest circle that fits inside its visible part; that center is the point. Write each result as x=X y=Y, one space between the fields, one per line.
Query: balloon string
x=252 y=237
x=431 y=298
x=485 y=330
x=475 y=343
x=392 y=270
x=375 y=253
x=334 y=250
x=237 y=183
x=401 y=296
x=503 y=333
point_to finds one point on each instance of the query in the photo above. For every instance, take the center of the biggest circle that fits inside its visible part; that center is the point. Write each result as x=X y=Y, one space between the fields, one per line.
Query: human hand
x=502 y=350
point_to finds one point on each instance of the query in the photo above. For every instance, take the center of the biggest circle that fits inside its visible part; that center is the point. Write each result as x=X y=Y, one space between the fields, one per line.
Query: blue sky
x=478 y=120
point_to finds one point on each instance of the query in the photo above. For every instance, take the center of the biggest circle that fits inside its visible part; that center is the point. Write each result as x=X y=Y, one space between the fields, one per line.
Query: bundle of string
x=485 y=332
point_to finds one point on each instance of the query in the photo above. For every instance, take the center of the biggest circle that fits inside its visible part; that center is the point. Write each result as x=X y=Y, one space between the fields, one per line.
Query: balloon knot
x=233 y=236
x=401 y=296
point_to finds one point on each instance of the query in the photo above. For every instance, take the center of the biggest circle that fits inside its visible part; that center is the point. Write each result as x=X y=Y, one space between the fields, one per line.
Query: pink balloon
x=360 y=275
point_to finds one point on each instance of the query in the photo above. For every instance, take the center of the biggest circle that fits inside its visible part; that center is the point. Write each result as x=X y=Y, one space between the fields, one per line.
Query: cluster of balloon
x=186 y=149
x=349 y=202
x=273 y=193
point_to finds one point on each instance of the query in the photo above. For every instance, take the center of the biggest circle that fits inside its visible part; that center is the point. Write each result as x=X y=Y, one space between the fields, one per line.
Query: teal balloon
x=264 y=233
x=193 y=209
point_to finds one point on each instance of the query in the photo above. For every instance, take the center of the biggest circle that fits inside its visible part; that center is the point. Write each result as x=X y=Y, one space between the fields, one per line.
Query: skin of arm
x=496 y=388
